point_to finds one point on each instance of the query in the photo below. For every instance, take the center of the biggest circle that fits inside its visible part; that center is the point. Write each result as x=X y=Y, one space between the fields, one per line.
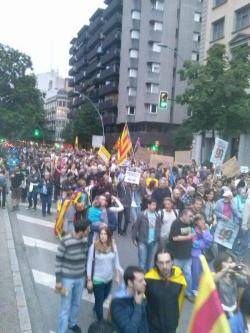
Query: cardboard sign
x=219 y=151
x=142 y=154
x=182 y=157
x=230 y=168
x=156 y=159
x=132 y=177
x=226 y=233
x=97 y=141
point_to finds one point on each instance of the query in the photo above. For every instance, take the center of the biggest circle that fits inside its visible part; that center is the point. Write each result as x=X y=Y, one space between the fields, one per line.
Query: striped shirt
x=71 y=258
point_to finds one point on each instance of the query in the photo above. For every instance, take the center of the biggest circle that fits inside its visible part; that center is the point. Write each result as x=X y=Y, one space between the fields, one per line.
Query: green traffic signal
x=163 y=100
x=37 y=133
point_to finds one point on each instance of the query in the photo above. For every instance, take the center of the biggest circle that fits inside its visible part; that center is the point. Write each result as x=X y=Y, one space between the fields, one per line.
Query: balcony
x=80 y=77
x=113 y=54
x=153 y=77
x=133 y=63
x=72 y=61
x=114 y=22
x=114 y=7
x=109 y=119
x=154 y=56
x=151 y=98
x=95 y=25
x=108 y=89
x=196 y=46
x=93 y=67
x=80 y=63
x=81 y=51
x=132 y=82
x=72 y=71
x=135 y=43
x=94 y=52
x=95 y=39
x=155 y=36
x=112 y=38
x=157 y=15
x=107 y=105
x=72 y=49
x=136 y=24
x=111 y=72
x=71 y=83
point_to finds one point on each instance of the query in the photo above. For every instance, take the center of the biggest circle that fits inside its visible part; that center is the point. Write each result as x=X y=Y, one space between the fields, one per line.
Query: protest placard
x=230 y=168
x=219 y=151
x=182 y=157
x=226 y=233
x=97 y=141
x=156 y=159
x=132 y=177
x=142 y=154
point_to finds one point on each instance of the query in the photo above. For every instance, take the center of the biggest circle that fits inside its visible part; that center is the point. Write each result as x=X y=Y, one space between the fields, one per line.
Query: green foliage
x=21 y=106
x=183 y=137
x=216 y=93
x=85 y=123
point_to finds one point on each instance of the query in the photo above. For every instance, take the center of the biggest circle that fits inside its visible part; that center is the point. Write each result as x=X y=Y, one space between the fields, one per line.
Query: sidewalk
x=14 y=317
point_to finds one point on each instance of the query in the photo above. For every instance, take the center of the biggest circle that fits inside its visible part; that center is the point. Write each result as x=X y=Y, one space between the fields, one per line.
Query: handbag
x=90 y=290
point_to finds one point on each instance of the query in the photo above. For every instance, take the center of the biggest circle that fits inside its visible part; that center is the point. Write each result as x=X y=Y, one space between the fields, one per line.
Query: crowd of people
x=174 y=214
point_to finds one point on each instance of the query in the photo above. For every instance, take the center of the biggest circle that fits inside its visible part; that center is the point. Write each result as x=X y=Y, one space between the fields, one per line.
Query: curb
x=23 y=313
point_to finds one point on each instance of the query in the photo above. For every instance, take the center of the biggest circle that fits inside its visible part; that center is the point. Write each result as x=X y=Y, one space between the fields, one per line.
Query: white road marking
x=35 y=242
x=36 y=221
x=49 y=280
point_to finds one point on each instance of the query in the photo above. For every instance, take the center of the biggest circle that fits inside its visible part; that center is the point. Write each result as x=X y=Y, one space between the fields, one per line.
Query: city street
x=35 y=249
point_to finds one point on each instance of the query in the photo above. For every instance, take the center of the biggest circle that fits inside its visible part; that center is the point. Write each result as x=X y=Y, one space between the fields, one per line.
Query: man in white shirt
x=168 y=216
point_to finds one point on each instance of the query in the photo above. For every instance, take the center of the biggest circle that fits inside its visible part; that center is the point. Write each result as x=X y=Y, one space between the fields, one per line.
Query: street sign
x=163 y=100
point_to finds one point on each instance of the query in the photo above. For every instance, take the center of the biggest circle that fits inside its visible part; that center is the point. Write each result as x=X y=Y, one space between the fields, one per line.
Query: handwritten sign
x=219 y=151
x=165 y=160
x=230 y=168
x=132 y=177
x=182 y=157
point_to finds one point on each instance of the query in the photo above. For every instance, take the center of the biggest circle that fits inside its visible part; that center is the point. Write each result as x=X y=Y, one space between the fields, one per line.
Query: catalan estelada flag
x=125 y=145
x=208 y=315
x=104 y=154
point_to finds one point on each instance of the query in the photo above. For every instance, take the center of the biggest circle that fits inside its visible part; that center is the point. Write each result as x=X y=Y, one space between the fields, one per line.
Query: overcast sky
x=43 y=29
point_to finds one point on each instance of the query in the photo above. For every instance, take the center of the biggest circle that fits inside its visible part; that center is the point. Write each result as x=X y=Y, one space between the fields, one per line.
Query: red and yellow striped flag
x=117 y=144
x=208 y=315
x=125 y=145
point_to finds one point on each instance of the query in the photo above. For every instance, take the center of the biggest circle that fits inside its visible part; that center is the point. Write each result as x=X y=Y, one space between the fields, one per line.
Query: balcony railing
x=113 y=54
x=92 y=68
x=108 y=89
x=94 y=52
x=114 y=7
x=107 y=105
x=112 y=71
x=114 y=21
x=111 y=39
x=95 y=39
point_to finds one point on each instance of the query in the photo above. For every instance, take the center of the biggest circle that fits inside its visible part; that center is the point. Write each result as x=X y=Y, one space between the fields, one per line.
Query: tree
x=216 y=93
x=21 y=105
x=85 y=123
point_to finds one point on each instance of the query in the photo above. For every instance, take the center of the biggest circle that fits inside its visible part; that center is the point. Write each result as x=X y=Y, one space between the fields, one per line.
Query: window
x=152 y=108
x=135 y=34
x=136 y=15
x=242 y=18
x=195 y=56
x=153 y=88
x=59 y=103
x=218 y=2
x=132 y=72
x=196 y=37
x=158 y=26
x=133 y=53
x=156 y=47
x=218 y=29
x=197 y=17
x=158 y=5
x=131 y=110
x=132 y=92
x=155 y=68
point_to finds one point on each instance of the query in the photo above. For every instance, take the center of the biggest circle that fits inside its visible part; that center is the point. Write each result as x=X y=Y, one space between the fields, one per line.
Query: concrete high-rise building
x=224 y=22
x=50 y=81
x=129 y=53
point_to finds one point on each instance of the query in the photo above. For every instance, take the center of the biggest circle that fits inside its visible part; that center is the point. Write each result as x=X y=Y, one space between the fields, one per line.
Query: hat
x=227 y=194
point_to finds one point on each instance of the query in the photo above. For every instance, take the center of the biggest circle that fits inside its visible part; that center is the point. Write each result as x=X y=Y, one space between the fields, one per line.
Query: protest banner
x=226 y=233
x=104 y=154
x=97 y=141
x=142 y=154
x=156 y=159
x=230 y=168
x=219 y=151
x=132 y=177
x=182 y=157
x=244 y=169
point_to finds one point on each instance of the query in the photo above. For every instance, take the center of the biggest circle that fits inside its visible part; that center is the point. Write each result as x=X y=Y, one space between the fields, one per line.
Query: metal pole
x=100 y=116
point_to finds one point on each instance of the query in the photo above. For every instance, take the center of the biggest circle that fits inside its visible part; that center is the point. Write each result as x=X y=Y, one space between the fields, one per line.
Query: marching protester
x=165 y=289
x=146 y=235
x=177 y=203
x=124 y=192
x=168 y=216
x=3 y=187
x=45 y=188
x=240 y=322
x=128 y=309
x=33 y=182
x=103 y=264
x=161 y=192
x=209 y=207
x=16 y=181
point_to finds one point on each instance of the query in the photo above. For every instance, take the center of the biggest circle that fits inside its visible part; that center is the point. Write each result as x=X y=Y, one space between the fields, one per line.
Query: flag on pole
x=117 y=144
x=76 y=142
x=104 y=154
x=208 y=315
x=125 y=145
x=137 y=144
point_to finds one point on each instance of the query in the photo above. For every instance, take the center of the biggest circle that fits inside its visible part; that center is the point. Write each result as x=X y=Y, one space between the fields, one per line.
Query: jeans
x=101 y=292
x=126 y=213
x=185 y=265
x=3 y=197
x=56 y=191
x=146 y=254
x=46 y=203
x=32 y=197
x=135 y=211
x=70 y=304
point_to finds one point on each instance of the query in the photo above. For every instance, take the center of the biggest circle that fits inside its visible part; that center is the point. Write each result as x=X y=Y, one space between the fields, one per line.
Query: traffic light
x=163 y=100
x=37 y=134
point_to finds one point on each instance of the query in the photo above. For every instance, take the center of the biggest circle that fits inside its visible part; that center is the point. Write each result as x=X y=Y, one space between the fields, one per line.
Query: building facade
x=129 y=52
x=49 y=81
x=56 y=108
x=224 y=22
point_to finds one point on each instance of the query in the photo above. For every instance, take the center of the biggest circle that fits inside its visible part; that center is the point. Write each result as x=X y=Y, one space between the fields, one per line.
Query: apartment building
x=129 y=52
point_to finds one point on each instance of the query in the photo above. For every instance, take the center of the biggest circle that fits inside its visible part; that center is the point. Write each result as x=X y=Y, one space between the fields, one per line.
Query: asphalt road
x=35 y=246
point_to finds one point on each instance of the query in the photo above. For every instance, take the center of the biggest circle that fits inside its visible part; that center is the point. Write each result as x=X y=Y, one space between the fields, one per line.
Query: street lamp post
x=99 y=114
x=175 y=64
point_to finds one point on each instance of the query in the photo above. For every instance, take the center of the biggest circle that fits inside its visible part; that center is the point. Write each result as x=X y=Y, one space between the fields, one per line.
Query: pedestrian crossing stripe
x=35 y=242
x=36 y=221
x=49 y=280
